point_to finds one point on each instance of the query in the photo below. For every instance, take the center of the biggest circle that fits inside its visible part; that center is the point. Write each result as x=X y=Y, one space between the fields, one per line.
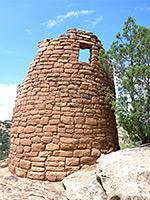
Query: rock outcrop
x=83 y=185
x=16 y=188
x=125 y=174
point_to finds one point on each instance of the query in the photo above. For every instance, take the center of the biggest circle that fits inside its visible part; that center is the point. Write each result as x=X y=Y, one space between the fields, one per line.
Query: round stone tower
x=61 y=120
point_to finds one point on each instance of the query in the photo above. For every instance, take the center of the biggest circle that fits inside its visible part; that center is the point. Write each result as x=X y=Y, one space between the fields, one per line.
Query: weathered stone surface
x=26 y=142
x=21 y=172
x=50 y=128
x=13 y=187
x=46 y=139
x=72 y=161
x=80 y=153
x=36 y=175
x=67 y=120
x=52 y=147
x=83 y=185
x=44 y=120
x=25 y=164
x=87 y=160
x=68 y=140
x=55 y=176
x=29 y=129
x=91 y=121
x=37 y=147
x=96 y=152
x=125 y=174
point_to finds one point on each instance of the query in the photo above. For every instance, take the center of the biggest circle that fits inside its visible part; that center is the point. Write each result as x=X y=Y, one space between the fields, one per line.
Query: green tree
x=130 y=60
x=4 y=144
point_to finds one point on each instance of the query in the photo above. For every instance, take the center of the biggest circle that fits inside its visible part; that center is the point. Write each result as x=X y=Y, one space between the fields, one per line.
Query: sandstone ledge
x=125 y=174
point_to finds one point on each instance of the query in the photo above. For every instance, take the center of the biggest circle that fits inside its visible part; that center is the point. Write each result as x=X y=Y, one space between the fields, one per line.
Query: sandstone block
x=46 y=139
x=11 y=168
x=20 y=129
x=62 y=153
x=50 y=128
x=54 y=158
x=21 y=172
x=32 y=154
x=38 y=159
x=57 y=70
x=79 y=120
x=91 y=121
x=26 y=142
x=54 y=121
x=25 y=164
x=61 y=164
x=37 y=169
x=52 y=147
x=14 y=147
x=71 y=169
x=45 y=153
x=44 y=120
x=38 y=164
x=97 y=145
x=64 y=146
x=32 y=122
x=17 y=141
x=61 y=130
x=80 y=153
x=95 y=152
x=27 y=149
x=35 y=139
x=55 y=176
x=55 y=169
x=86 y=140
x=87 y=160
x=36 y=175
x=84 y=146
x=69 y=140
x=29 y=129
x=37 y=147
x=52 y=164
x=72 y=161
x=67 y=120
x=19 y=149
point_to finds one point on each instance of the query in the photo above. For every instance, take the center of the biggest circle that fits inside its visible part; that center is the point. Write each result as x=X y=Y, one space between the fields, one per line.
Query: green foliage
x=4 y=144
x=130 y=56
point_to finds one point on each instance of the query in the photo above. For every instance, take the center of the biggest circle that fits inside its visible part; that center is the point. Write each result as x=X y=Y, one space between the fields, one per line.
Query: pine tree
x=130 y=59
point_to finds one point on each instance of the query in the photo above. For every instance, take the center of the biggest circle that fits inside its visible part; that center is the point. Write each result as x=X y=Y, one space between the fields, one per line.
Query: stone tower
x=61 y=120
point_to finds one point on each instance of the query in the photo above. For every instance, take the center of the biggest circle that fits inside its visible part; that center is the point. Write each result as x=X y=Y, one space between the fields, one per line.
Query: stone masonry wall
x=61 y=120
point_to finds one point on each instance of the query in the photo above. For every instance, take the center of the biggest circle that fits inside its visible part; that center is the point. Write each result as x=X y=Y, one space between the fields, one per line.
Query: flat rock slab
x=16 y=188
x=125 y=174
x=82 y=185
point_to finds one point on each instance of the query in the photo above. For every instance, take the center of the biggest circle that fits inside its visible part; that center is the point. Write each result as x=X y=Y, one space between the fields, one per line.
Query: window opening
x=84 y=55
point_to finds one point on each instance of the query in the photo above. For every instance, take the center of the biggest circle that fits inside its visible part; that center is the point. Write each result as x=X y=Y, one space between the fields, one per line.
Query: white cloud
x=7 y=100
x=6 y=51
x=96 y=21
x=52 y=23
x=61 y=18
x=93 y=23
x=142 y=8
x=29 y=31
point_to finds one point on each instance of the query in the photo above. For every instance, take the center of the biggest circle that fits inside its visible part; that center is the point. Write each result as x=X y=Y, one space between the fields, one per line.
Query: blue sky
x=23 y=23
